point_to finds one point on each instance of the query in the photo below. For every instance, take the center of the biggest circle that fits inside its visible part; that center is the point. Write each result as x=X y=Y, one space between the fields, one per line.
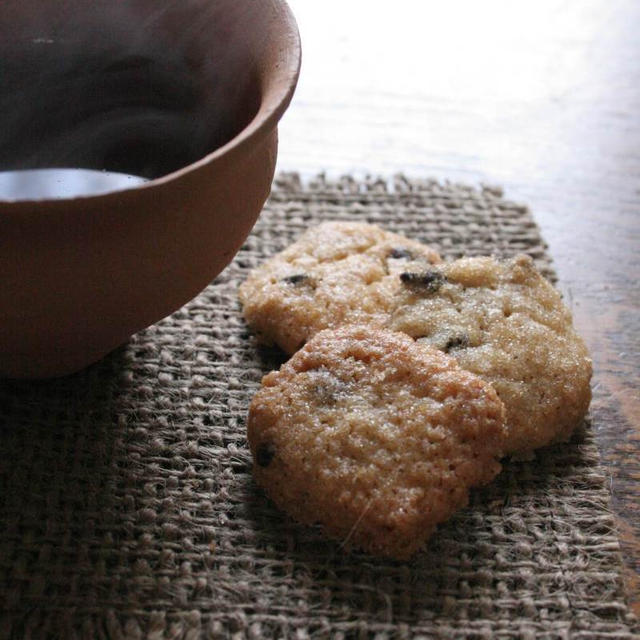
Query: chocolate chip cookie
x=375 y=436
x=336 y=273
x=504 y=322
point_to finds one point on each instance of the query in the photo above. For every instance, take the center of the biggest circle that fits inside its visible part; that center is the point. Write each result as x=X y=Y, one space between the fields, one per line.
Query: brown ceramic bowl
x=186 y=93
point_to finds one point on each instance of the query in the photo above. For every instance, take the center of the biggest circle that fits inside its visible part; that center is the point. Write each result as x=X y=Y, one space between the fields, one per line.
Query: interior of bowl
x=141 y=87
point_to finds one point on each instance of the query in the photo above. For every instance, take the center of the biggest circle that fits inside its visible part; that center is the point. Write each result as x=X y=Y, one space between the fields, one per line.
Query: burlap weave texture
x=127 y=507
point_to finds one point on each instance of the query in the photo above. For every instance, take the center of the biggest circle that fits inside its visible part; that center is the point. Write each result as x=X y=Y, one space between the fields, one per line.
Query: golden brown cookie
x=374 y=436
x=504 y=322
x=336 y=273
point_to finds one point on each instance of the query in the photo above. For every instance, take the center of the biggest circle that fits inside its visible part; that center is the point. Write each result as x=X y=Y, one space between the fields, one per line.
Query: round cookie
x=374 y=436
x=504 y=322
x=336 y=273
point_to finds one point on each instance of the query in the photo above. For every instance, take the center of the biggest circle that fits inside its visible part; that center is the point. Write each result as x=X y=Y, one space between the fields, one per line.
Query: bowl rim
x=277 y=90
x=273 y=103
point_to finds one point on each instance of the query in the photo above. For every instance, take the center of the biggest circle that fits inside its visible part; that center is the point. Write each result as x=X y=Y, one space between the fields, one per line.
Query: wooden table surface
x=542 y=98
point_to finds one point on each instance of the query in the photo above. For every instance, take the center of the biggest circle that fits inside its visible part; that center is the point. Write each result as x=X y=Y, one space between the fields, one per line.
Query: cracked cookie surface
x=336 y=273
x=376 y=437
x=504 y=322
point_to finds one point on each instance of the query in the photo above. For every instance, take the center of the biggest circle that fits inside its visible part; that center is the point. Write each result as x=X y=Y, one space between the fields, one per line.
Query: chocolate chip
x=400 y=254
x=457 y=342
x=265 y=454
x=296 y=278
x=427 y=281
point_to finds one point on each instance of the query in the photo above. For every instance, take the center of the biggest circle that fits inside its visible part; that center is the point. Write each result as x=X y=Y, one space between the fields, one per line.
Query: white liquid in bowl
x=44 y=184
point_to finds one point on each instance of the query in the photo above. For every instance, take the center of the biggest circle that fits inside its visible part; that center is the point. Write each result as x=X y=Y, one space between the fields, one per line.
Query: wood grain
x=542 y=98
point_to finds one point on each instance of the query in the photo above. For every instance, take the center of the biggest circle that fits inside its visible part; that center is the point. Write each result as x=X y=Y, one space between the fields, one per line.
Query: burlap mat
x=128 y=510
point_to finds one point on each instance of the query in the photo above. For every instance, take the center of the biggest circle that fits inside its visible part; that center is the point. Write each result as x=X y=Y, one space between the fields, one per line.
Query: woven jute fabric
x=128 y=509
